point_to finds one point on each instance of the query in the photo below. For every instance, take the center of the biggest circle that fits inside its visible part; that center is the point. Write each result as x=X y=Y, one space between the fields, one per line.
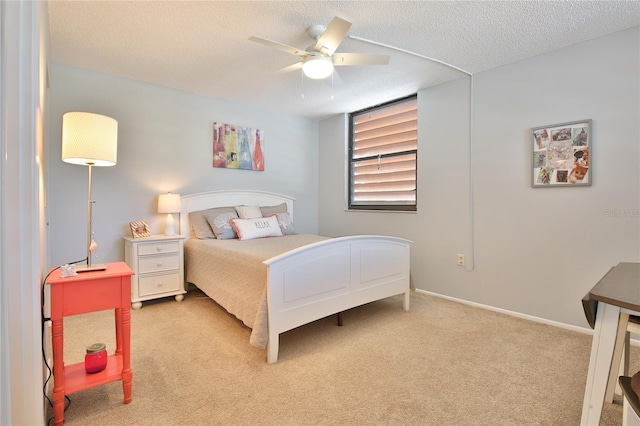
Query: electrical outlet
x=460 y=259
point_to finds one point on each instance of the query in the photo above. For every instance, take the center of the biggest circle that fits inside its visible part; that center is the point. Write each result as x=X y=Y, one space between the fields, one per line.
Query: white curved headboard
x=226 y=198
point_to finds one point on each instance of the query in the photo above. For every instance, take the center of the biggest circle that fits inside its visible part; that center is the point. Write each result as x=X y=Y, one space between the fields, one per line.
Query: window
x=383 y=148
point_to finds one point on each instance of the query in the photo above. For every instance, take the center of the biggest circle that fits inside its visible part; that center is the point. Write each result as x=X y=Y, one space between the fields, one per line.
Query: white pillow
x=248 y=229
x=248 y=212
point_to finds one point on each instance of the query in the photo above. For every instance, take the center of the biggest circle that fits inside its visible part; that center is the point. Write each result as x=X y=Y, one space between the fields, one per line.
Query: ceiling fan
x=318 y=60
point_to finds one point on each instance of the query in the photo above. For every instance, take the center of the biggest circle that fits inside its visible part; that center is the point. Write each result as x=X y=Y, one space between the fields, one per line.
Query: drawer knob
x=159 y=283
x=159 y=263
x=159 y=248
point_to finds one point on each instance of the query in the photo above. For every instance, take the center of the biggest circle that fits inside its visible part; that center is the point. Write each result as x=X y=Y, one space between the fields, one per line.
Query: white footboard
x=331 y=276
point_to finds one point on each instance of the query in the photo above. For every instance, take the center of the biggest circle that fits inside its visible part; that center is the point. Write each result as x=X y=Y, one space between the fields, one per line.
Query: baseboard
x=634 y=342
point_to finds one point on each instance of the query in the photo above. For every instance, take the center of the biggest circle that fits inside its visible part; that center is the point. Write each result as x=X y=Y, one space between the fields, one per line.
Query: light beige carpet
x=441 y=363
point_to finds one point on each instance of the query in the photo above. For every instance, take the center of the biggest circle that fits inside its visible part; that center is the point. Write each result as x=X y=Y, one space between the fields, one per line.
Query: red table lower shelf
x=77 y=379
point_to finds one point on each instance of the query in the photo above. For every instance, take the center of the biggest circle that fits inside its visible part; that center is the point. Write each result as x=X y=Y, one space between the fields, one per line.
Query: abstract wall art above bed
x=236 y=147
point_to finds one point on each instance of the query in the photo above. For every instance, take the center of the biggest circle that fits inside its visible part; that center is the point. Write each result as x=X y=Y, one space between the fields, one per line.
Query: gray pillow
x=221 y=225
x=286 y=224
x=199 y=225
x=269 y=210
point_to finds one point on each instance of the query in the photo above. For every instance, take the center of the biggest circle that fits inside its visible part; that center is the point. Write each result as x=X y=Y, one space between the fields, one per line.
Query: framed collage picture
x=562 y=155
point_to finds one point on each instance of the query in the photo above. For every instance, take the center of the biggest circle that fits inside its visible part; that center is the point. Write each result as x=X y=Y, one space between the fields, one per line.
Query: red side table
x=83 y=293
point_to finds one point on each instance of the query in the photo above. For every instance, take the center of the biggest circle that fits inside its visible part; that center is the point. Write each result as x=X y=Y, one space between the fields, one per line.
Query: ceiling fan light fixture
x=317 y=67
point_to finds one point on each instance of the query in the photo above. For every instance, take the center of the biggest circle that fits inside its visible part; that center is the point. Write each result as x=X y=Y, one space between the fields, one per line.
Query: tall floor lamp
x=89 y=140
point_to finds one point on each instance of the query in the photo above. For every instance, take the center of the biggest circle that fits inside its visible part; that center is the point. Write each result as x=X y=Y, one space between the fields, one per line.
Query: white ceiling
x=202 y=46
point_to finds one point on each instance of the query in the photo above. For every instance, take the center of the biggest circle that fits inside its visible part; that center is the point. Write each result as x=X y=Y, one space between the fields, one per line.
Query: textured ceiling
x=202 y=46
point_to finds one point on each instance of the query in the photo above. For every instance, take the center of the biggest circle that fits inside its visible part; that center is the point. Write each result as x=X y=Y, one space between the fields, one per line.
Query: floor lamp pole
x=90 y=266
x=89 y=218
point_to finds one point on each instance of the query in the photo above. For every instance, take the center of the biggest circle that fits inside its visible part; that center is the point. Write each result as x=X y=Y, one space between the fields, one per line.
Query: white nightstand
x=158 y=264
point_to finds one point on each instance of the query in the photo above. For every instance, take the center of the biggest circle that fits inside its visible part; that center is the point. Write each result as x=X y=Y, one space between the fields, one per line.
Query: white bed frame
x=319 y=279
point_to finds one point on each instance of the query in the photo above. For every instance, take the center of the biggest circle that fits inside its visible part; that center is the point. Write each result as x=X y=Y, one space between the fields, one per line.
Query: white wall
x=535 y=251
x=165 y=144
x=24 y=33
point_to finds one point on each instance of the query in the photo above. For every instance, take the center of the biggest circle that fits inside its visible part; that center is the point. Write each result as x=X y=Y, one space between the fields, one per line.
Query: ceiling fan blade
x=332 y=36
x=290 y=68
x=341 y=59
x=280 y=46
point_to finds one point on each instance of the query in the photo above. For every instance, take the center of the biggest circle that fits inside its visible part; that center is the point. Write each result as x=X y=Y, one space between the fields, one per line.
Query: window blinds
x=383 y=156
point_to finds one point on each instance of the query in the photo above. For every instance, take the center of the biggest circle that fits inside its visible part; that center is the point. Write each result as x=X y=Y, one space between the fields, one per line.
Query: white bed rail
x=331 y=276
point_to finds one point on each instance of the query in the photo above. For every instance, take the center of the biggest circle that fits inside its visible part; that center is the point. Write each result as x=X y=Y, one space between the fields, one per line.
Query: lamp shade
x=89 y=139
x=317 y=67
x=169 y=203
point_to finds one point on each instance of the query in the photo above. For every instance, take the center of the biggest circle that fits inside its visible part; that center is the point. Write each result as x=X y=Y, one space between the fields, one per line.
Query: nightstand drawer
x=158 y=247
x=158 y=263
x=158 y=284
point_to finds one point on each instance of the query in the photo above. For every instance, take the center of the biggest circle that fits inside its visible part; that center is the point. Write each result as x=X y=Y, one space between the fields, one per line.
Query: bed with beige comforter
x=277 y=283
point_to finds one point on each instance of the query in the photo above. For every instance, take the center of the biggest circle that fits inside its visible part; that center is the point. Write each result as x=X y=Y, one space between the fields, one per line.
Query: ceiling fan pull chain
x=332 y=74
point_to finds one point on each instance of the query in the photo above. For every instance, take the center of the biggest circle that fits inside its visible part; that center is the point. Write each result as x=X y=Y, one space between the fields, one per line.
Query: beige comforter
x=231 y=272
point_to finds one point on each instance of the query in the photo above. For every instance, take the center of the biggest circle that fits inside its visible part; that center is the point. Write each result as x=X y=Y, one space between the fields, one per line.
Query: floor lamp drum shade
x=89 y=138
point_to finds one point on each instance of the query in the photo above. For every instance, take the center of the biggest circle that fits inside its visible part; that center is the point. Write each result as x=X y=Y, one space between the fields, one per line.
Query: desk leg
x=127 y=374
x=58 y=370
x=604 y=339
x=618 y=352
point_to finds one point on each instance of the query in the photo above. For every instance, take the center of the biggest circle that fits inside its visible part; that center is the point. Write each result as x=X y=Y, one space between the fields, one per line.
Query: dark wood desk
x=90 y=292
x=608 y=305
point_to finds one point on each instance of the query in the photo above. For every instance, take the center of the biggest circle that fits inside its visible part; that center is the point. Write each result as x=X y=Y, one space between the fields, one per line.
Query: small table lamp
x=169 y=203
